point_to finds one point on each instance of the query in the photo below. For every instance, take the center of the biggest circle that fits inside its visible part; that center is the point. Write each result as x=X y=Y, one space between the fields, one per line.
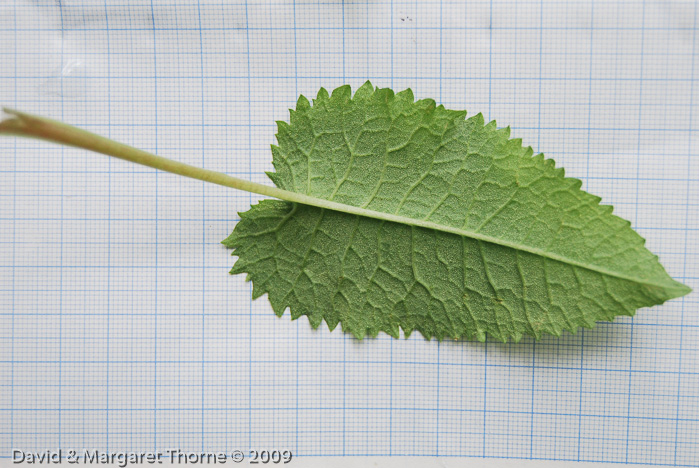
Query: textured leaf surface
x=528 y=252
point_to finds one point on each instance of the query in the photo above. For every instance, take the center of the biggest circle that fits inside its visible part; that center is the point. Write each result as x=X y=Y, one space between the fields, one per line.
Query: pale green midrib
x=30 y=126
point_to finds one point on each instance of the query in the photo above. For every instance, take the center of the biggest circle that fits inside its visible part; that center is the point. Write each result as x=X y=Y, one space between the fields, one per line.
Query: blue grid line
x=251 y=335
x=538 y=145
x=155 y=315
x=203 y=222
x=14 y=248
x=638 y=143
x=60 y=286
x=109 y=219
x=686 y=231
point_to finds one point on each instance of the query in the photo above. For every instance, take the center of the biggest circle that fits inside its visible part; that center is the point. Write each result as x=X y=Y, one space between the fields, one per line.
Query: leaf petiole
x=31 y=126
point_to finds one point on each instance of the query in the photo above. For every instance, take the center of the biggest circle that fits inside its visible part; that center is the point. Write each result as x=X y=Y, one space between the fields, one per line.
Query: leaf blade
x=417 y=165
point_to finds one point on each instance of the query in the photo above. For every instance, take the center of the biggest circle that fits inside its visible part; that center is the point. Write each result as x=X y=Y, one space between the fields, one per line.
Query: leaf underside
x=558 y=260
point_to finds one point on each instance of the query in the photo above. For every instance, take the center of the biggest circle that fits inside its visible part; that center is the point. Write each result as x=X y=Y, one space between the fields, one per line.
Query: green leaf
x=403 y=215
x=479 y=238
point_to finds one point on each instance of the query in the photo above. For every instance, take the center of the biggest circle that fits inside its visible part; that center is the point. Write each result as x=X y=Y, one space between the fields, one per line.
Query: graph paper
x=121 y=329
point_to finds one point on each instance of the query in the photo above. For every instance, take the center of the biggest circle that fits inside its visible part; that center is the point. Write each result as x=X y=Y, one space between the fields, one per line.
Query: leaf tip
x=407 y=95
x=478 y=119
x=364 y=91
x=274 y=177
x=677 y=290
x=282 y=129
x=322 y=95
x=342 y=93
x=257 y=291
x=302 y=103
x=430 y=104
x=576 y=184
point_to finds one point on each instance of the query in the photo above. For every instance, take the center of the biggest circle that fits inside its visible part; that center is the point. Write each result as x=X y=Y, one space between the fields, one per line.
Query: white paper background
x=120 y=328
